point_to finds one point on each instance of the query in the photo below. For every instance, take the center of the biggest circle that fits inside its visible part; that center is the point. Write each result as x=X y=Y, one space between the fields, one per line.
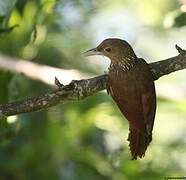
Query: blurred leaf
x=8 y=29
x=5 y=11
x=6 y=6
x=5 y=79
x=180 y=20
x=7 y=132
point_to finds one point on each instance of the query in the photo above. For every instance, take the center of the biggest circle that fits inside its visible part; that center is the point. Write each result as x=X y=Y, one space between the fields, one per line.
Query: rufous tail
x=138 y=142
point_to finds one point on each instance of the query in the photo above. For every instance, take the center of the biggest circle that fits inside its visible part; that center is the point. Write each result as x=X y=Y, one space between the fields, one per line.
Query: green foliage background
x=83 y=140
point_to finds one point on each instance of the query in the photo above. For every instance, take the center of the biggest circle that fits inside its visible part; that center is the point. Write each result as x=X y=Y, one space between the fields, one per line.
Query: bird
x=131 y=85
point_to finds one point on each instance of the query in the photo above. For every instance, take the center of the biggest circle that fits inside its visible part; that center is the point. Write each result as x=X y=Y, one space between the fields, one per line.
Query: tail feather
x=138 y=142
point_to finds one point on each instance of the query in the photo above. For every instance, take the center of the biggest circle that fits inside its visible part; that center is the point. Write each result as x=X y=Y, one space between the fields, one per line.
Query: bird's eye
x=108 y=49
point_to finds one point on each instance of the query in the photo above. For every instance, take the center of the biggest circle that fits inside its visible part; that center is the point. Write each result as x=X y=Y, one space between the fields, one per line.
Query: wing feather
x=134 y=93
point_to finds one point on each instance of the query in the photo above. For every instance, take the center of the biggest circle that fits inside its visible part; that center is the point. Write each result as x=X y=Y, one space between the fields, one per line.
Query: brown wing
x=124 y=90
x=134 y=93
x=148 y=96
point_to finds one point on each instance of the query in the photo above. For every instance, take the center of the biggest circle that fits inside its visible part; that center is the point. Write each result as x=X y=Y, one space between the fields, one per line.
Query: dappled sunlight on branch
x=80 y=89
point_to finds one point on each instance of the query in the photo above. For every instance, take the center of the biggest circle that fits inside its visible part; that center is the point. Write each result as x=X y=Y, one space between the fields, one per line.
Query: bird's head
x=115 y=49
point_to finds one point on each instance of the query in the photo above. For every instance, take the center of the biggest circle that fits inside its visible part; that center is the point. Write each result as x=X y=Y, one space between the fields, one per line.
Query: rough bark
x=80 y=89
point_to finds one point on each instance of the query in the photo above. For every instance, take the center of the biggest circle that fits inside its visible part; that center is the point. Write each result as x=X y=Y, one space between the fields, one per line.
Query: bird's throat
x=123 y=63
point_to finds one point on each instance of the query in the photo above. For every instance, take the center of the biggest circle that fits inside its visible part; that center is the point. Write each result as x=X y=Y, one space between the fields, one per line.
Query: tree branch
x=80 y=89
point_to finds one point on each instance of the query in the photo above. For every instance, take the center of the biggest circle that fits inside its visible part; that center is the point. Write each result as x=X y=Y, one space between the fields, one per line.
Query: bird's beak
x=92 y=52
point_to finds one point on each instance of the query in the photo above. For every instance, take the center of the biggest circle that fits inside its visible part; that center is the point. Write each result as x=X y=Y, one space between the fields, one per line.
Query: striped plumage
x=131 y=85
